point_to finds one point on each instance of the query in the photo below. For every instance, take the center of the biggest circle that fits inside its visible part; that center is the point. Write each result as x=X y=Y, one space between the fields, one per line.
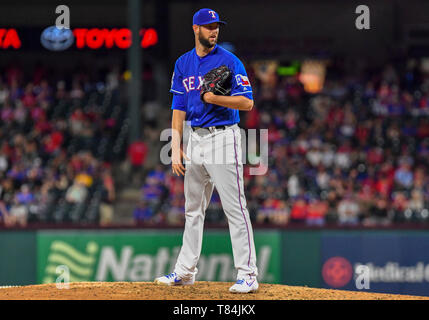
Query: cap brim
x=209 y=22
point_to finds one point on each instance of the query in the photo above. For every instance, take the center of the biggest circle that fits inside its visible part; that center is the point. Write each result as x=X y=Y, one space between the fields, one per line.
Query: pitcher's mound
x=201 y=290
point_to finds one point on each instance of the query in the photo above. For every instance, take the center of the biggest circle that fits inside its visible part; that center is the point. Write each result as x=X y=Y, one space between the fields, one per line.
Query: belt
x=211 y=129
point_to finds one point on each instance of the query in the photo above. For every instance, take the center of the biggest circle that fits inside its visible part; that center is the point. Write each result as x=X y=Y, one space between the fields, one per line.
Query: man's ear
x=195 y=27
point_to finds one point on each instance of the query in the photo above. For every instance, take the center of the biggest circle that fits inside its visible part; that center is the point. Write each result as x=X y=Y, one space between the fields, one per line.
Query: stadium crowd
x=355 y=153
x=54 y=139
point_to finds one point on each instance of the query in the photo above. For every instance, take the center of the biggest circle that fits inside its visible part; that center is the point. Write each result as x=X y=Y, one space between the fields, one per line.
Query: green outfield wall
x=18 y=257
x=300 y=258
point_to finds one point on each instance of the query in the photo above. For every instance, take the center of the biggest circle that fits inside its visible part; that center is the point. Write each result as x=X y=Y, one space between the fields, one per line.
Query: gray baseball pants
x=216 y=161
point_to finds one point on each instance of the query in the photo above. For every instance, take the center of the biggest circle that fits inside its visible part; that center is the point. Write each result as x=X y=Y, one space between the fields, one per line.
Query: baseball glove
x=218 y=81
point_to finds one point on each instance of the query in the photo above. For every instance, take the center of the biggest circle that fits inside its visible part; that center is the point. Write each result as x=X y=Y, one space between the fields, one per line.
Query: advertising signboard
x=144 y=255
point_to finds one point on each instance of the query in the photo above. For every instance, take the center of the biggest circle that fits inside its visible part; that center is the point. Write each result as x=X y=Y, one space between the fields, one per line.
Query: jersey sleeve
x=177 y=89
x=178 y=102
x=176 y=81
x=240 y=82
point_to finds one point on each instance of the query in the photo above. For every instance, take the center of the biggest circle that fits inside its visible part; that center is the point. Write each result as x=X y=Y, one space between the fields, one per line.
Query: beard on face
x=205 y=42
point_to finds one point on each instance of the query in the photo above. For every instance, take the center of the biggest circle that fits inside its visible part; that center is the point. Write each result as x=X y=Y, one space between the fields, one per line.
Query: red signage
x=337 y=272
x=108 y=38
x=90 y=38
x=9 y=39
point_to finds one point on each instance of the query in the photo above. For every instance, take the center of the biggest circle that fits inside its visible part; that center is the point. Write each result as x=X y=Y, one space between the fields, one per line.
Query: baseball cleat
x=245 y=286
x=173 y=279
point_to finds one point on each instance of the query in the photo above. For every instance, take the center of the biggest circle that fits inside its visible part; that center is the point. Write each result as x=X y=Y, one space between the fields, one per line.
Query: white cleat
x=245 y=286
x=173 y=279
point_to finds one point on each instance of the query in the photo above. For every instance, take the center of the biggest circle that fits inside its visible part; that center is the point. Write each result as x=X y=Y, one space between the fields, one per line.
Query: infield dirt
x=199 y=291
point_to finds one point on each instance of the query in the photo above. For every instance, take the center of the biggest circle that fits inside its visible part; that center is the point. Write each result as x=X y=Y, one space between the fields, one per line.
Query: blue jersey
x=186 y=83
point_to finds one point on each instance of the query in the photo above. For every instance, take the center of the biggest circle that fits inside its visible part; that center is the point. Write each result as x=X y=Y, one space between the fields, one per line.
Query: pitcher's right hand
x=176 y=162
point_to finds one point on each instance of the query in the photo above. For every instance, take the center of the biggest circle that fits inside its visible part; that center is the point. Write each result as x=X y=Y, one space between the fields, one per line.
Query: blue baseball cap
x=206 y=16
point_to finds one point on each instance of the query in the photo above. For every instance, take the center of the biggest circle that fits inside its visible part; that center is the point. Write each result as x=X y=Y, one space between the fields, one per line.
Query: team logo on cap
x=242 y=80
x=213 y=14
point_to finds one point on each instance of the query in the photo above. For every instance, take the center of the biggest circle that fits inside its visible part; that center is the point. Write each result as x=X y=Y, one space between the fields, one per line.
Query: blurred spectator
x=293 y=186
x=107 y=199
x=18 y=215
x=282 y=214
x=176 y=212
x=137 y=152
x=379 y=213
x=20 y=207
x=316 y=212
x=384 y=185
x=348 y=211
x=28 y=99
x=4 y=215
x=76 y=193
x=3 y=162
x=77 y=121
x=76 y=92
x=24 y=197
x=273 y=211
x=84 y=179
x=416 y=203
x=404 y=176
x=299 y=210
x=4 y=92
x=322 y=178
x=143 y=212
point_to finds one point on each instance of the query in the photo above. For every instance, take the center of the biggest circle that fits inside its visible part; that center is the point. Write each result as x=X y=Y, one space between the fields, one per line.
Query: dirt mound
x=200 y=291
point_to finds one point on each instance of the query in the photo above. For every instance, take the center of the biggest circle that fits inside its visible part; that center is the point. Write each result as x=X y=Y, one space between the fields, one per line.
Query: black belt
x=208 y=128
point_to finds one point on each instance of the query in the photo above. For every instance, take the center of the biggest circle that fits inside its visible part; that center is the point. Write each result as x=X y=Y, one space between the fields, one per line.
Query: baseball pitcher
x=209 y=87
